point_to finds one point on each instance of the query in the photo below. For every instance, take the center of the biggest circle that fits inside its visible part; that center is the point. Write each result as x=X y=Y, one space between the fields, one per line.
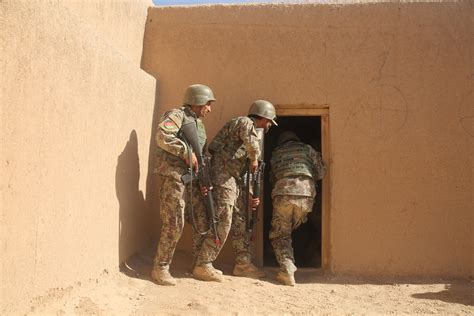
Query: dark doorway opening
x=306 y=238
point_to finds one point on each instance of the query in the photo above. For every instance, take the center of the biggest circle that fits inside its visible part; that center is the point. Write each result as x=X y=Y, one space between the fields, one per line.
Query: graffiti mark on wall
x=466 y=114
x=383 y=60
x=381 y=112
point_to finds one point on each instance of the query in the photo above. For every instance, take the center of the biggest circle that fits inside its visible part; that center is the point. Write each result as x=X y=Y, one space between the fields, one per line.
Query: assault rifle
x=190 y=136
x=254 y=180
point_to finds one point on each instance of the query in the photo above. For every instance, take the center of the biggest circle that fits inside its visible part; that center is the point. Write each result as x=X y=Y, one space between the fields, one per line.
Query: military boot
x=216 y=270
x=207 y=272
x=210 y=267
x=286 y=278
x=248 y=270
x=162 y=276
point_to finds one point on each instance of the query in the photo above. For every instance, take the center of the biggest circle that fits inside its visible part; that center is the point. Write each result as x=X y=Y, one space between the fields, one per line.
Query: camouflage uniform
x=238 y=231
x=196 y=215
x=295 y=167
x=236 y=142
x=170 y=166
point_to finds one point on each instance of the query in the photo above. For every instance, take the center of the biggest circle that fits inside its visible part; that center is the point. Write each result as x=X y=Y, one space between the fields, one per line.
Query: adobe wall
x=398 y=82
x=76 y=116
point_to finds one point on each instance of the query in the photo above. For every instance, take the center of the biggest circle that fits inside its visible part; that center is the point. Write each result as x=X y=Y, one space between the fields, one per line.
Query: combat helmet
x=287 y=136
x=198 y=94
x=264 y=109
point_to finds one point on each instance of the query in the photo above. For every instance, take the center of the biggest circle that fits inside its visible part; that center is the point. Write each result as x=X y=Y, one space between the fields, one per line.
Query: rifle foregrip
x=256 y=190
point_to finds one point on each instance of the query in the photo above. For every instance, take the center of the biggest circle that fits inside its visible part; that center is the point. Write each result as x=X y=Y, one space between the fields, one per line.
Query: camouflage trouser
x=289 y=212
x=224 y=201
x=238 y=231
x=197 y=216
x=172 y=218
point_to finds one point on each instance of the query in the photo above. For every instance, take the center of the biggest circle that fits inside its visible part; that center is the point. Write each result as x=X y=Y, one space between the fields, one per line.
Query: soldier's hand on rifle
x=194 y=162
x=205 y=190
x=254 y=202
x=253 y=165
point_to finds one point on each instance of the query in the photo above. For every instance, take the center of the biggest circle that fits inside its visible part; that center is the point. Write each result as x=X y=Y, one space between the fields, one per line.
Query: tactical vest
x=292 y=159
x=176 y=161
x=201 y=134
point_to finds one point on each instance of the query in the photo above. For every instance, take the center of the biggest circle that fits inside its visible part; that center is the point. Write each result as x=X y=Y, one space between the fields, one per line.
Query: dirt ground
x=131 y=292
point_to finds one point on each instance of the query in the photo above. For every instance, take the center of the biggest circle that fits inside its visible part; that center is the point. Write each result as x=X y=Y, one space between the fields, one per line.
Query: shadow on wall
x=136 y=260
x=132 y=207
x=154 y=222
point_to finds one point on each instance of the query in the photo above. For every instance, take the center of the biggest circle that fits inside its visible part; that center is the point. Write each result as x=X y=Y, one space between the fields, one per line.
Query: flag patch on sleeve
x=169 y=125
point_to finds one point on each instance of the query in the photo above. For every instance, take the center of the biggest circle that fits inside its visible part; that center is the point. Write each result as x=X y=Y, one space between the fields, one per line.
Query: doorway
x=311 y=238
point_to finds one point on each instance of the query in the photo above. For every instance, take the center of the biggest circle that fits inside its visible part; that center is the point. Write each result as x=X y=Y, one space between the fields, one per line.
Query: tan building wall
x=397 y=81
x=76 y=116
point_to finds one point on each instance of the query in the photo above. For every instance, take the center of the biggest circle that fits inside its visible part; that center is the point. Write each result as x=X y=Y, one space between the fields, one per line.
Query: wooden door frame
x=323 y=112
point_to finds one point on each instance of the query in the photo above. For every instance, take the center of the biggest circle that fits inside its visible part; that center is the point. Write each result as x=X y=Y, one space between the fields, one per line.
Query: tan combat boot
x=216 y=270
x=210 y=267
x=162 y=276
x=207 y=272
x=286 y=278
x=248 y=270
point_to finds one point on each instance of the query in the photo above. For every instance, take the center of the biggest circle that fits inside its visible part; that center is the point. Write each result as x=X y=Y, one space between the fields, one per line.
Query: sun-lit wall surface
x=76 y=112
x=397 y=78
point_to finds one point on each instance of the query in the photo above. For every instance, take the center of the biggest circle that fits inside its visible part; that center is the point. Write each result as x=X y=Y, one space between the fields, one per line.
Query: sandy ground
x=131 y=292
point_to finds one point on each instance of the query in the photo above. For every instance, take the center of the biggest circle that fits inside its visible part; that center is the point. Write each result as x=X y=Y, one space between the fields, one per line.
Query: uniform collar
x=188 y=111
x=253 y=120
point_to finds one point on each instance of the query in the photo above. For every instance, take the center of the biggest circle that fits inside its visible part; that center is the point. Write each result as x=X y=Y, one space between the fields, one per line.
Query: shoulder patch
x=176 y=116
x=169 y=124
x=171 y=120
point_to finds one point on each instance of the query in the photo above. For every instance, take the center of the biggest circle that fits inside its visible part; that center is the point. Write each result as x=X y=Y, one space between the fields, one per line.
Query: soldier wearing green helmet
x=173 y=158
x=198 y=94
x=235 y=146
x=265 y=109
x=295 y=167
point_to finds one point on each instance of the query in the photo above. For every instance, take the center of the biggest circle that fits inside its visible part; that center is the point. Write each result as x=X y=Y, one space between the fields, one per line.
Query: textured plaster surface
x=397 y=78
x=76 y=117
x=76 y=112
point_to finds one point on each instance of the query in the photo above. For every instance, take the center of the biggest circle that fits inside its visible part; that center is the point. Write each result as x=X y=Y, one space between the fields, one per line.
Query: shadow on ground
x=457 y=291
x=139 y=265
x=460 y=293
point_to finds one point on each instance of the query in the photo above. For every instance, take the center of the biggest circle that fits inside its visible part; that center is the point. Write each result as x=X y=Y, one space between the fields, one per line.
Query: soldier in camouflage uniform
x=172 y=161
x=295 y=166
x=241 y=238
x=234 y=145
